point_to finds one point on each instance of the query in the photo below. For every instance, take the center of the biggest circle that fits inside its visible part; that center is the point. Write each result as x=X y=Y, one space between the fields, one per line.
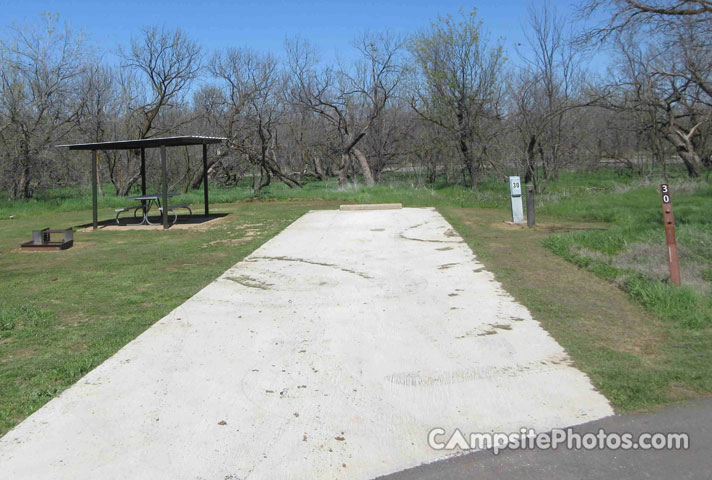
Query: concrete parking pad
x=330 y=352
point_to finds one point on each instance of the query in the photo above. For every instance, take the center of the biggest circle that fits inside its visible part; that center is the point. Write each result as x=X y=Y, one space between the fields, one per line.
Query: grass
x=397 y=189
x=631 y=250
x=582 y=273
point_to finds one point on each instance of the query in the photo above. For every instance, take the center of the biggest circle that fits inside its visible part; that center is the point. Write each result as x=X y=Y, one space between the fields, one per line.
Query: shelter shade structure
x=142 y=145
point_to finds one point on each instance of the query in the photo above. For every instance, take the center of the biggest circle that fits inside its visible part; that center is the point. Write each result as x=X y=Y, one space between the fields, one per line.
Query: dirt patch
x=230 y=241
x=679 y=392
x=19 y=354
x=545 y=227
x=76 y=245
x=247 y=237
x=196 y=223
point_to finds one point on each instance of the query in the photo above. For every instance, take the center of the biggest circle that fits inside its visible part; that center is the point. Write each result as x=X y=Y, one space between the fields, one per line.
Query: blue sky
x=264 y=25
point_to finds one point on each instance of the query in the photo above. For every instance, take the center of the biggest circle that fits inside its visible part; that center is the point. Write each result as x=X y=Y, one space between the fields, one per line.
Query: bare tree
x=160 y=66
x=39 y=100
x=545 y=91
x=635 y=14
x=169 y=61
x=667 y=43
x=101 y=107
x=253 y=110
x=349 y=101
x=385 y=143
x=459 y=85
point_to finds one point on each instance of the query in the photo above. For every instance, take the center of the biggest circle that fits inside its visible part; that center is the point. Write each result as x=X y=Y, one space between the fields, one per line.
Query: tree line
x=445 y=104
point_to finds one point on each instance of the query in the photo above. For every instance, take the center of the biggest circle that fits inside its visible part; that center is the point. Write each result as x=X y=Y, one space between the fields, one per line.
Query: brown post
x=205 y=179
x=164 y=192
x=531 y=218
x=94 y=199
x=669 y=222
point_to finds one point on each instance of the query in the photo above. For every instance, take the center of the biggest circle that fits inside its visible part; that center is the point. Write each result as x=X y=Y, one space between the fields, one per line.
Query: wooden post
x=164 y=192
x=531 y=218
x=94 y=197
x=669 y=222
x=205 y=179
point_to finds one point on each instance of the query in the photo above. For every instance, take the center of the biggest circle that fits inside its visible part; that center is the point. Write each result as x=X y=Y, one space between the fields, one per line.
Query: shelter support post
x=94 y=197
x=143 y=177
x=164 y=189
x=205 y=179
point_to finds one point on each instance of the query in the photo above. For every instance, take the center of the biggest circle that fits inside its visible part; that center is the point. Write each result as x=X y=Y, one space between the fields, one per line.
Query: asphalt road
x=693 y=418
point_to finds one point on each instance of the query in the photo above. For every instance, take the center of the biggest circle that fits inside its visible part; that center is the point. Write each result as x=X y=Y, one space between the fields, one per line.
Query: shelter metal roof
x=146 y=143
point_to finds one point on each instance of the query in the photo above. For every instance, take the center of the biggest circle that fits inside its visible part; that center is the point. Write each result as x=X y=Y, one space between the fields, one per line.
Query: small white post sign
x=515 y=192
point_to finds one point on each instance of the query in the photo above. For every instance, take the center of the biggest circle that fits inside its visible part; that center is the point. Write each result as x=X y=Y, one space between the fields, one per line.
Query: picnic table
x=149 y=201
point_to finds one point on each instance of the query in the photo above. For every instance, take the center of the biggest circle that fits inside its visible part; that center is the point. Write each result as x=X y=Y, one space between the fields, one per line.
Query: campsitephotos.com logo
x=528 y=439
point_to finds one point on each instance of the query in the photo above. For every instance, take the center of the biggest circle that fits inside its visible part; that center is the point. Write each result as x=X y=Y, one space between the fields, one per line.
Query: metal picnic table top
x=152 y=196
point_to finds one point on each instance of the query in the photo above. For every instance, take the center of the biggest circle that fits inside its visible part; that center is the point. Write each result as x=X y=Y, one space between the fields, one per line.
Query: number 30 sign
x=669 y=222
x=665 y=192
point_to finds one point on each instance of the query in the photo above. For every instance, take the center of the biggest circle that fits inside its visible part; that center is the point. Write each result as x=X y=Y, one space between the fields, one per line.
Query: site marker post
x=669 y=222
x=515 y=193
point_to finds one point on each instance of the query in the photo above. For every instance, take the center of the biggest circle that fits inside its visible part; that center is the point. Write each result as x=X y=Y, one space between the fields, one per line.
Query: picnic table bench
x=147 y=201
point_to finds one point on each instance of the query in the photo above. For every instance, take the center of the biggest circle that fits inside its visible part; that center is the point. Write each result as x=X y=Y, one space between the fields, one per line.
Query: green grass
x=631 y=250
x=642 y=341
x=398 y=188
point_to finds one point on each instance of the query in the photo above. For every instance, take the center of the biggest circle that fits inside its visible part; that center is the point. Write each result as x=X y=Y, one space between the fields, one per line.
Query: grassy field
x=593 y=272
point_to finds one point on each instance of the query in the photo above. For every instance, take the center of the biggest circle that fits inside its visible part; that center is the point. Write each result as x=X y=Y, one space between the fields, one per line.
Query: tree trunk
x=318 y=168
x=25 y=179
x=685 y=148
x=692 y=162
x=365 y=167
x=98 y=179
x=530 y=161
x=344 y=168
x=259 y=183
x=276 y=170
x=469 y=172
x=124 y=189
x=198 y=178
x=468 y=162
